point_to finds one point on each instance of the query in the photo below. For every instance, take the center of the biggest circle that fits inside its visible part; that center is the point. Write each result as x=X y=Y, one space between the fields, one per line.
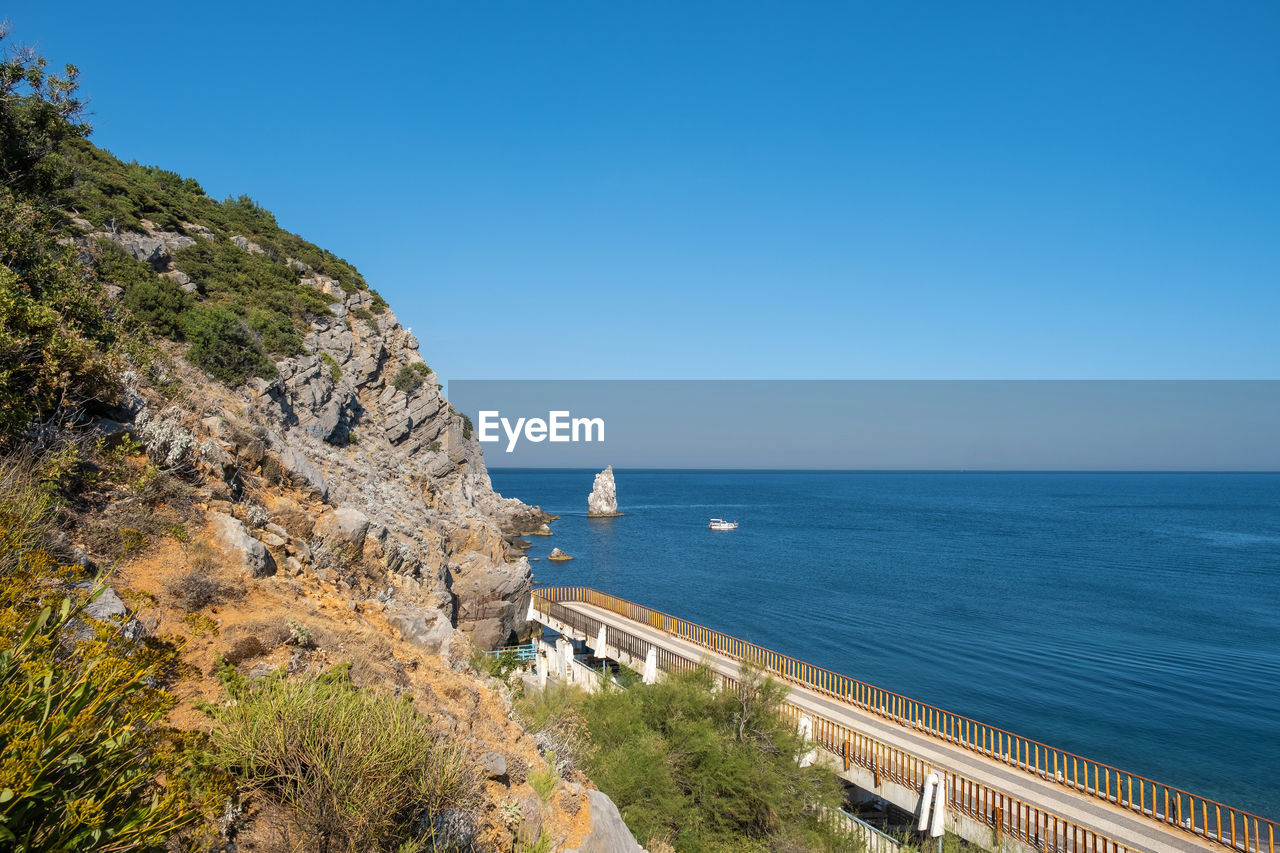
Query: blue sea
x=1131 y=618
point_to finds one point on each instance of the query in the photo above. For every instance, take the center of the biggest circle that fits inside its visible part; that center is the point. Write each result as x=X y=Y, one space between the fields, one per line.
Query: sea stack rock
x=558 y=555
x=603 y=500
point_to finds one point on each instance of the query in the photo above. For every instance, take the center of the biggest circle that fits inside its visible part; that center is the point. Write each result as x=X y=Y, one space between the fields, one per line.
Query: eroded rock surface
x=358 y=423
x=603 y=500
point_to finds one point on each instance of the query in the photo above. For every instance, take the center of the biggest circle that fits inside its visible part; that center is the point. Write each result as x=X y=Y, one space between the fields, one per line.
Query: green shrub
x=300 y=635
x=107 y=190
x=222 y=345
x=158 y=304
x=87 y=762
x=226 y=272
x=55 y=339
x=466 y=426
x=420 y=367
x=277 y=331
x=85 y=748
x=155 y=302
x=708 y=769
x=335 y=372
x=360 y=770
x=544 y=781
x=407 y=380
x=38 y=112
x=499 y=665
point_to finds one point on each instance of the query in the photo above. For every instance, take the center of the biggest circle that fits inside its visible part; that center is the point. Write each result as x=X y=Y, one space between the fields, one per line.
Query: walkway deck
x=1021 y=796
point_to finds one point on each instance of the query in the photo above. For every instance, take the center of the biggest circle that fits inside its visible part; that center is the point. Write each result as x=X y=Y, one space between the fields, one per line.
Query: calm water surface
x=1131 y=618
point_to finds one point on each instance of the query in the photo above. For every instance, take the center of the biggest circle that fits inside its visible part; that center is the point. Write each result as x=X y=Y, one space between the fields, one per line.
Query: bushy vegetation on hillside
x=361 y=770
x=111 y=193
x=54 y=334
x=60 y=339
x=695 y=766
x=87 y=762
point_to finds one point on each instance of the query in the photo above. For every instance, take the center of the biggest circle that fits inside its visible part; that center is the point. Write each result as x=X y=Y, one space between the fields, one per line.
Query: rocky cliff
x=401 y=509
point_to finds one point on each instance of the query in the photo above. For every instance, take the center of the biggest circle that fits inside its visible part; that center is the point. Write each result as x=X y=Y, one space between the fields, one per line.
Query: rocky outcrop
x=359 y=423
x=609 y=834
x=558 y=555
x=156 y=249
x=429 y=629
x=603 y=500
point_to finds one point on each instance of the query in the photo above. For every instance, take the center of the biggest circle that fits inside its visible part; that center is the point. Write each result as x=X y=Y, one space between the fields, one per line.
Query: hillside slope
x=222 y=421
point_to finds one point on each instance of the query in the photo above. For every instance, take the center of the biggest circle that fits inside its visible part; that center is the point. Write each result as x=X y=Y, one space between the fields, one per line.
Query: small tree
x=38 y=111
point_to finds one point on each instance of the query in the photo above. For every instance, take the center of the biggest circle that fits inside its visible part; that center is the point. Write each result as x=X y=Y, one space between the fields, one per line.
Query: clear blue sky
x=742 y=190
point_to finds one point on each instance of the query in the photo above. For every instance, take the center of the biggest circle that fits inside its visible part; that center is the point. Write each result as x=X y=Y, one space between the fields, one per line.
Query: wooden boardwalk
x=1001 y=787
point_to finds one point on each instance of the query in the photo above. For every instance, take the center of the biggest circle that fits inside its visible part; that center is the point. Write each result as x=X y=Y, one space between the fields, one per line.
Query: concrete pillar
x=651 y=666
x=926 y=800
x=806 y=731
x=600 y=645
x=565 y=646
x=544 y=663
x=936 y=820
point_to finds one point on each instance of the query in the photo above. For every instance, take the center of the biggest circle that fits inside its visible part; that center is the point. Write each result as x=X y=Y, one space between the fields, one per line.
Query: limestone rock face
x=609 y=834
x=402 y=479
x=603 y=499
x=232 y=535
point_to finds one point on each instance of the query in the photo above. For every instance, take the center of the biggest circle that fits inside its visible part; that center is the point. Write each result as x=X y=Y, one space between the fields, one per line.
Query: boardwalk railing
x=1167 y=804
x=522 y=653
x=872 y=840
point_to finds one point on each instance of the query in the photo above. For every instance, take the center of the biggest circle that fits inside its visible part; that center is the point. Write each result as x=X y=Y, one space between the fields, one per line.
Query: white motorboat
x=721 y=524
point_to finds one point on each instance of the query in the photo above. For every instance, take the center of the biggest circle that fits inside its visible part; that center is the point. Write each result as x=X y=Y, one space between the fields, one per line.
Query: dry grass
x=205 y=583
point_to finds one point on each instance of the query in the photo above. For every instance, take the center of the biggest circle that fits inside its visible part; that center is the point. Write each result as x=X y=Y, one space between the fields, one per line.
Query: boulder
x=531 y=819
x=301 y=470
x=494 y=765
x=603 y=500
x=151 y=249
x=492 y=598
x=428 y=629
x=341 y=532
x=558 y=555
x=608 y=834
x=232 y=535
x=107 y=606
x=247 y=245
